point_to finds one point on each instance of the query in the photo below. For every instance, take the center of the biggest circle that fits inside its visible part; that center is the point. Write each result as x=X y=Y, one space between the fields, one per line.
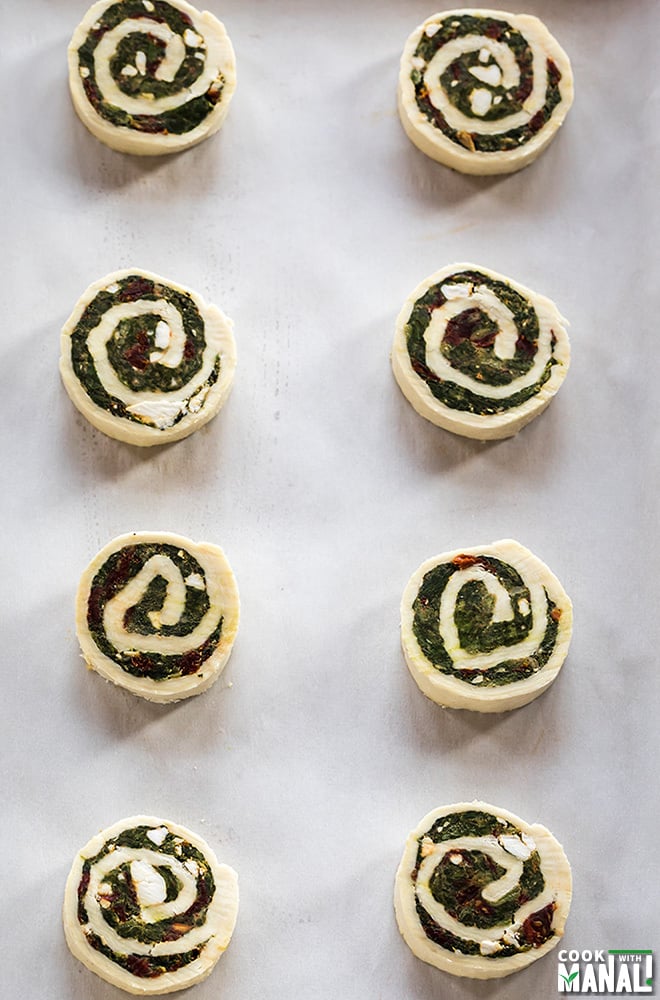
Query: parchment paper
x=309 y=219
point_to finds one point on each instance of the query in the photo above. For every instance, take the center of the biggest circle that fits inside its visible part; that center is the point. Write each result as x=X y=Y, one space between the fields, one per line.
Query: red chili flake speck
x=537 y=122
x=464 y=561
x=136 y=289
x=554 y=74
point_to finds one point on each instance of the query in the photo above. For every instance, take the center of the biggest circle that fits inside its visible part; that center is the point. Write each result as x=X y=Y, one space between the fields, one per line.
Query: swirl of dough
x=146 y=360
x=158 y=614
x=479 y=892
x=485 y=628
x=150 y=76
x=147 y=906
x=483 y=91
x=478 y=354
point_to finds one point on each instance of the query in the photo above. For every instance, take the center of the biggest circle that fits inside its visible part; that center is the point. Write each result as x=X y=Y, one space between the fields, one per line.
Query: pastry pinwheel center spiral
x=480 y=82
x=139 y=336
x=477 y=872
x=145 y=66
x=143 y=901
x=477 y=344
x=149 y=611
x=477 y=620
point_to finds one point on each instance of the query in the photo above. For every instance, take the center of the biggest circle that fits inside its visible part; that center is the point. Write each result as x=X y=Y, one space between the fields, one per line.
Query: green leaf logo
x=569 y=979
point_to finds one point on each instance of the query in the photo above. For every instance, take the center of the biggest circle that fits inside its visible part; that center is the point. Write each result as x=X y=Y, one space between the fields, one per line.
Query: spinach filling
x=121 y=910
x=468 y=345
x=177 y=121
x=110 y=580
x=476 y=630
x=458 y=888
x=132 y=343
x=458 y=84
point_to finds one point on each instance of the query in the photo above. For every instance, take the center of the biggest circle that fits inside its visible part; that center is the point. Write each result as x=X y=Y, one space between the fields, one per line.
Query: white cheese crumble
x=510 y=935
x=492 y=75
x=158 y=835
x=514 y=845
x=148 y=5
x=426 y=847
x=129 y=71
x=484 y=55
x=141 y=62
x=114 y=287
x=196 y=401
x=84 y=72
x=162 y=334
x=161 y=414
x=149 y=884
x=194 y=580
x=456 y=291
x=192 y=39
x=431 y=30
x=480 y=101
x=490 y=947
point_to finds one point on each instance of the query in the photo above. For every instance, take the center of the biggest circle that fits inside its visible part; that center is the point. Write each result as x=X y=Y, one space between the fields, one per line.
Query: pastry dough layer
x=485 y=628
x=146 y=360
x=157 y=614
x=477 y=353
x=151 y=76
x=483 y=91
x=481 y=893
x=148 y=907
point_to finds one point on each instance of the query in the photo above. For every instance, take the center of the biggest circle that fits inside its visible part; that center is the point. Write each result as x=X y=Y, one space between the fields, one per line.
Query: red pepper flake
x=538 y=927
x=92 y=92
x=190 y=662
x=136 y=289
x=537 y=122
x=189 y=348
x=524 y=346
x=464 y=561
x=114 y=581
x=424 y=371
x=83 y=885
x=469 y=325
x=524 y=90
x=137 y=354
x=556 y=614
x=142 y=967
x=142 y=664
x=554 y=75
x=493 y=31
x=151 y=124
